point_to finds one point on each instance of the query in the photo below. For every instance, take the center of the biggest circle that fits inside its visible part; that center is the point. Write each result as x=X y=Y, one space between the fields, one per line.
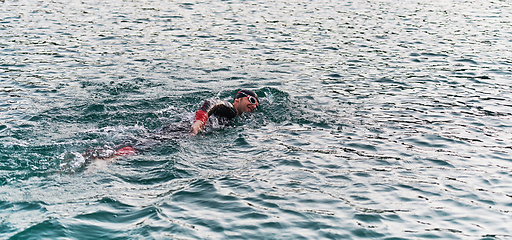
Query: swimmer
x=244 y=101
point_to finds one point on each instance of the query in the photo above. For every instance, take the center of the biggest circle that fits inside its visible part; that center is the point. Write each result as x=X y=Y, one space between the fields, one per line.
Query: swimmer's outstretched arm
x=209 y=107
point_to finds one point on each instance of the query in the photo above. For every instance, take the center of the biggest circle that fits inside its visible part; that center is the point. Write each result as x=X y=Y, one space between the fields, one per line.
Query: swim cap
x=241 y=94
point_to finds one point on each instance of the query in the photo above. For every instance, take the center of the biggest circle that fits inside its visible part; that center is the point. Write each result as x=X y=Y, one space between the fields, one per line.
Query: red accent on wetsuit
x=126 y=151
x=201 y=116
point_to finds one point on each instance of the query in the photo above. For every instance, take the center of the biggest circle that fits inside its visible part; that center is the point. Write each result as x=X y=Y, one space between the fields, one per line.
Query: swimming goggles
x=251 y=99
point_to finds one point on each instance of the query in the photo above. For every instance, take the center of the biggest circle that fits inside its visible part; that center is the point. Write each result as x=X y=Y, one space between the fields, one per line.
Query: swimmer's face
x=250 y=106
x=244 y=105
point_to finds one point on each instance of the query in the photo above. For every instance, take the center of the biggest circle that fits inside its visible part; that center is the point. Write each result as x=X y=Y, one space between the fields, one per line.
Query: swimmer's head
x=245 y=101
x=249 y=94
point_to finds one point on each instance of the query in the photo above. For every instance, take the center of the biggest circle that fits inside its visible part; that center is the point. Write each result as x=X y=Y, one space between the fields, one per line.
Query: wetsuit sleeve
x=215 y=107
x=201 y=116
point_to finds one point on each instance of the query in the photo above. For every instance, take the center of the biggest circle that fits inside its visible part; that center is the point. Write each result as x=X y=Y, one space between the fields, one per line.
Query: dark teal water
x=378 y=119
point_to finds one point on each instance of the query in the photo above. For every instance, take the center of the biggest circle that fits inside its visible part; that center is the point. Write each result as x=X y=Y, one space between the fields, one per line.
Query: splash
x=71 y=162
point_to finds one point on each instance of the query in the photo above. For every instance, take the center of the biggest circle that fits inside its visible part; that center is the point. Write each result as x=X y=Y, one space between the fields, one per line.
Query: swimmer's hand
x=196 y=127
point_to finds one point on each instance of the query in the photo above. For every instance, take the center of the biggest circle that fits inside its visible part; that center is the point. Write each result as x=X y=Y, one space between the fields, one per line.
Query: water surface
x=378 y=119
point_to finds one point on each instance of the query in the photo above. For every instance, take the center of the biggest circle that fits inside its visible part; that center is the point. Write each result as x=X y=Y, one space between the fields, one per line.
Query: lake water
x=379 y=119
